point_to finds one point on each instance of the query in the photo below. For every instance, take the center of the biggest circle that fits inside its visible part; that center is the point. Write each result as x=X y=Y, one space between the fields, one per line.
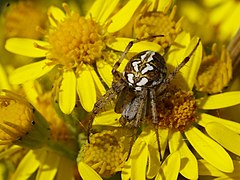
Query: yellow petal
x=207 y=169
x=9 y=151
x=224 y=136
x=102 y=9
x=55 y=14
x=126 y=170
x=108 y=118
x=26 y=47
x=29 y=164
x=97 y=81
x=119 y=20
x=170 y=167
x=30 y=72
x=67 y=92
x=66 y=169
x=105 y=71
x=86 y=172
x=189 y=168
x=49 y=167
x=4 y=84
x=206 y=118
x=218 y=101
x=121 y=43
x=86 y=88
x=178 y=53
x=191 y=69
x=209 y=150
x=139 y=156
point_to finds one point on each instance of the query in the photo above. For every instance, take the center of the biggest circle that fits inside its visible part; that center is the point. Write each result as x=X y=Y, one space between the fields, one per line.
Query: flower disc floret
x=76 y=40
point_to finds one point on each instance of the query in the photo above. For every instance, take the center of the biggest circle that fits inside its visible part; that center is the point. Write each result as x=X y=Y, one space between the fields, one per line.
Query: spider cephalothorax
x=143 y=79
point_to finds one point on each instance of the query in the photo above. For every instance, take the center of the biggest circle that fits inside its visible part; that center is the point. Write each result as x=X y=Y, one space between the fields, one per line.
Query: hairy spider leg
x=155 y=120
x=112 y=92
x=130 y=44
x=170 y=77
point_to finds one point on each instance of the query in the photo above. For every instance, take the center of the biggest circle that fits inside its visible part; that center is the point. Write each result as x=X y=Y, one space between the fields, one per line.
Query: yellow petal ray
x=207 y=169
x=67 y=92
x=126 y=170
x=26 y=47
x=97 y=81
x=31 y=91
x=206 y=118
x=86 y=88
x=49 y=167
x=176 y=52
x=209 y=150
x=218 y=101
x=11 y=150
x=30 y=72
x=162 y=5
x=139 y=156
x=188 y=168
x=190 y=71
x=95 y=10
x=101 y=10
x=119 y=20
x=224 y=136
x=105 y=71
x=87 y=172
x=109 y=118
x=176 y=55
x=170 y=167
x=57 y=14
x=4 y=83
x=29 y=164
x=154 y=160
x=66 y=169
x=121 y=43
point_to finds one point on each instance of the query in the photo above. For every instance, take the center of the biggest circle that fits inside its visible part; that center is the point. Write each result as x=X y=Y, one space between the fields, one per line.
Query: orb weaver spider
x=143 y=79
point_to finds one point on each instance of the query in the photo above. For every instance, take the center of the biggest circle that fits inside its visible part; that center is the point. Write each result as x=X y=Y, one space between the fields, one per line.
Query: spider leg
x=170 y=77
x=134 y=124
x=123 y=55
x=155 y=120
x=141 y=108
x=110 y=94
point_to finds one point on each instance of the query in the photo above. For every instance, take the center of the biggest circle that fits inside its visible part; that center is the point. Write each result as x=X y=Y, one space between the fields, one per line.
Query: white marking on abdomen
x=130 y=78
x=147 y=68
x=135 y=65
x=142 y=82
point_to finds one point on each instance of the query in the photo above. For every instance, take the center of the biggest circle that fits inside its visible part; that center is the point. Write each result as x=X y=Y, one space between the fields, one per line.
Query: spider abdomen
x=146 y=69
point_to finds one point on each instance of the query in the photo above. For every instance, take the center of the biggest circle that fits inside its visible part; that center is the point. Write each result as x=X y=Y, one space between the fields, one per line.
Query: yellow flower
x=74 y=45
x=157 y=19
x=20 y=122
x=23 y=17
x=223 y=15
x=105 y=153
x=57 y=158
x=185 y=120
x=215 y=71
x=218 y=17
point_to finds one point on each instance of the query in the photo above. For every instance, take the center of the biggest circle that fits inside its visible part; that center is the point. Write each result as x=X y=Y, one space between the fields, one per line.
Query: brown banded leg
x=170 y=77
x=154 y=119
x=110 y=94
x=123 y=55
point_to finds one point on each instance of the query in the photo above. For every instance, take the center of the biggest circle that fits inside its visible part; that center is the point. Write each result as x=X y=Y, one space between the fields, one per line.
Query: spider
x=143 y=79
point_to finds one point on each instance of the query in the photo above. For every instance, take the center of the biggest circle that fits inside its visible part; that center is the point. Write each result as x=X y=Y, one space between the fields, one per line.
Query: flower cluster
x=69 y=109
